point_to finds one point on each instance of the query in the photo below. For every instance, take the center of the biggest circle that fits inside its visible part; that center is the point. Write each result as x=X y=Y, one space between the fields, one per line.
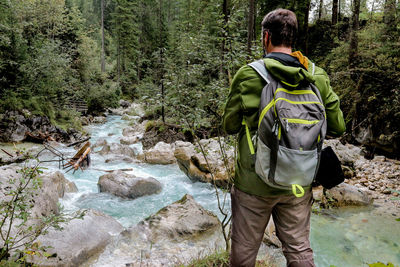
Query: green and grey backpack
x=291 y=129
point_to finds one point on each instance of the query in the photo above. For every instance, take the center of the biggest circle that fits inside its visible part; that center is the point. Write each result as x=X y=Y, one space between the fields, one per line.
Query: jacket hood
x=289 y=69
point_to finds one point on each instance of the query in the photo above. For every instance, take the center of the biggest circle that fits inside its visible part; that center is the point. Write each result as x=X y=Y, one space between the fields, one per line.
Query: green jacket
x=243 y=103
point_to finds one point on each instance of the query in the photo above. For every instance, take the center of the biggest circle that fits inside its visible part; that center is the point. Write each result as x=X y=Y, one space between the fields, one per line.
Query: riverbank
x=361 y=223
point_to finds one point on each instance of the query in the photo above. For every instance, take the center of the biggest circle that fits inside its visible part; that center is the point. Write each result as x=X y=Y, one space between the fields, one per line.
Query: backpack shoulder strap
x=259 y=67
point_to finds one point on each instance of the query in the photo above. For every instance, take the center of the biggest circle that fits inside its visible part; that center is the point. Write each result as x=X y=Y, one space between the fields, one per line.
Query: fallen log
x=78 y=142
x=39 y=137
x=78 y=159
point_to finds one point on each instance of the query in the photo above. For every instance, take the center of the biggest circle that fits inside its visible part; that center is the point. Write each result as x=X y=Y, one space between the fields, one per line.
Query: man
x=253 y=201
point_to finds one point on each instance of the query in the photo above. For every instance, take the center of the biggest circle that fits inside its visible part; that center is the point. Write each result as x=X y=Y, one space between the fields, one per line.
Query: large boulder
x=199 y=168
x=173 y=236
x=348 y=154
x=79 y=241
x=54 y=186
x=161 y=153
x=343 y=195
x=118 y=149
x=127 y=185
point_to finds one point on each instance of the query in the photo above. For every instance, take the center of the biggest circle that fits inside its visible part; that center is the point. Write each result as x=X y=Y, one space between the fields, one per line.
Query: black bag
x=330 y=172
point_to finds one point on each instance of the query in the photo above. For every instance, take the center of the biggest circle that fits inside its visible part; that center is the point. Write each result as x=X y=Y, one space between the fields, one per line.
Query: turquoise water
x=344 y=237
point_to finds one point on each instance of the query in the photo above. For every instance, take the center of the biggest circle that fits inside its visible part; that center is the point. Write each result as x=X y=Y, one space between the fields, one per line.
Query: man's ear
x=266 y=39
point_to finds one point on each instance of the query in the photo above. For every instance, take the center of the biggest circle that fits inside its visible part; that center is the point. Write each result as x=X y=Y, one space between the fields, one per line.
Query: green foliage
x=369 y=90
x=220 y=258
x=102 y=97
x=380 y=264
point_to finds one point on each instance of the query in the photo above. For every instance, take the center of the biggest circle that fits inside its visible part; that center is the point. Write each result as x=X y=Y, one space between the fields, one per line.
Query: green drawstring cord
x=248 y=137
x=300 y=188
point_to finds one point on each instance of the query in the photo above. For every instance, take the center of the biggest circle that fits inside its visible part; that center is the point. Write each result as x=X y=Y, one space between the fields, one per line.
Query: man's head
x=279 y=29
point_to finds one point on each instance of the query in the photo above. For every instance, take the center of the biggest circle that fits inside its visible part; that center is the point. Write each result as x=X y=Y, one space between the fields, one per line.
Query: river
x=339 y=237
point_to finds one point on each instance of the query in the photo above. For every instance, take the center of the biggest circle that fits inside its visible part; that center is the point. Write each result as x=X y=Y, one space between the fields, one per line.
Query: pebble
x=371 y=187
x=386 y=191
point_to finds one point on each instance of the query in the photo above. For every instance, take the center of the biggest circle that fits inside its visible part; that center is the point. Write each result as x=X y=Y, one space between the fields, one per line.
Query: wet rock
x=99 y=143
x=197 y=168
x=80 y=240
x=174 y=235
x=345 y=195
x=129 y=140
x=119 y=149
x=54 y=186
x=119 y=159
x=124 y=103
x=161 y=153
x=99 y=120
x=127 y=185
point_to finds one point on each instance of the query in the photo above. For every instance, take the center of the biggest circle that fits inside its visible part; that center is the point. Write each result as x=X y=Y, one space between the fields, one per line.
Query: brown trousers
x=250 y=216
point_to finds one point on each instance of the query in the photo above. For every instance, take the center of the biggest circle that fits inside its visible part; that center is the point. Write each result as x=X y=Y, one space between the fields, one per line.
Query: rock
x=347 y=154
x=182 y=219
x=195 y=166
x=161 y=153
x=127 y=185
x=99 y=119
x=80 y=240
x=116 y=159
x=129 y=140
x=270 y=237
x=173 y=236
x=54 y=186
x=124 y=103
x=14 y=126
x=100 y=143
x=135 y=110
x=345 y=195
x=133 y=119
x=118 y=149
x=116 y=111
x=85 y=121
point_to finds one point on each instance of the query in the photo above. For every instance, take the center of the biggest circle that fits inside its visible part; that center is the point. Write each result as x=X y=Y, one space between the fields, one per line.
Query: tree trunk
x=339 y=10
x=250 y=25
x=389 y=17
x=306 y=15
x=118 y=58
x=225 y=13
x=353 y=34
x=334 y=12
x=162 y=64
x=103 y=64
x=321 y=6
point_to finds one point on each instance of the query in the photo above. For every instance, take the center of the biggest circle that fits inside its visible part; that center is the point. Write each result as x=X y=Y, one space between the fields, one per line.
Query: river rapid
x=339 y=237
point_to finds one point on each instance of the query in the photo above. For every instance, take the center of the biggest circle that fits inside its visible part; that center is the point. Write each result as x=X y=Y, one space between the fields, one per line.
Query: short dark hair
x=281 y=24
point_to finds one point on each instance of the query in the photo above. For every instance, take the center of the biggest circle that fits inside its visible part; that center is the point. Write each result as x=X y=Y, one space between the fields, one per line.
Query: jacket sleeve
x=334 y=116
x=233 y=115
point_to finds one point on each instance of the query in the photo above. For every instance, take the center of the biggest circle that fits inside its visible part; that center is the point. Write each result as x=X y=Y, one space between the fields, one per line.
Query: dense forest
x=178 y=58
